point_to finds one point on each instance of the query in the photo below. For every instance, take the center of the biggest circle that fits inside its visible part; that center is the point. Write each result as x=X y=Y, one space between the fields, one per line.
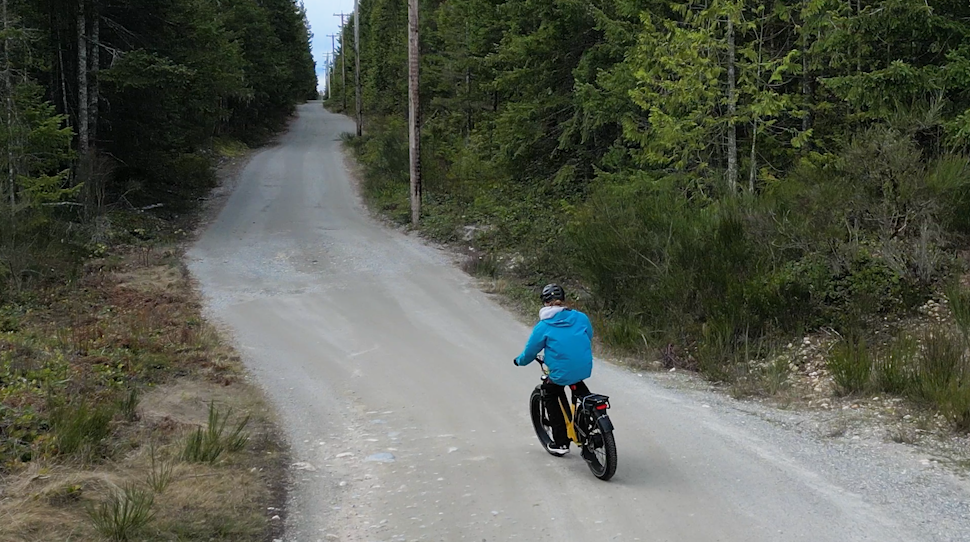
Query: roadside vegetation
x=724 y=185
x=123 y=415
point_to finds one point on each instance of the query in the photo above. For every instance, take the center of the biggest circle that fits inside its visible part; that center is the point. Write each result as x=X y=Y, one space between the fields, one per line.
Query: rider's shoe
x=557 y=449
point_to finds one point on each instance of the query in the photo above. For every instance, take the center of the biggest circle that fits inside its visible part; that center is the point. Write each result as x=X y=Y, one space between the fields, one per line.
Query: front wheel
x=540 y=419
x=600 y=454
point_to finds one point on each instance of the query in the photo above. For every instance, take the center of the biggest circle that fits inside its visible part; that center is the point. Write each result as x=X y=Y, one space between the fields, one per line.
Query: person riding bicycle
x=566 y=336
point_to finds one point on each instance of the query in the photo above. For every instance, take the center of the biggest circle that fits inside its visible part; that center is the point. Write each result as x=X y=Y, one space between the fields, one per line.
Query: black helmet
x=551 y=292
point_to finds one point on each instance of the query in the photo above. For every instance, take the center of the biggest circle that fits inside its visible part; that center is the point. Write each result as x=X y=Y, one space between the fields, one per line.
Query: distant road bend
x=393 y=377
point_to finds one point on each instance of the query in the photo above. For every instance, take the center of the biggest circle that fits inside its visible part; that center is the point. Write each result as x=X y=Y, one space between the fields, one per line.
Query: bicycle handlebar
x=540 y=359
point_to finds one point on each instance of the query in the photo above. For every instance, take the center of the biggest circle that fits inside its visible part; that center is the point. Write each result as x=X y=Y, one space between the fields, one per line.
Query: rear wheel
x=540 y=419
x=600 y=454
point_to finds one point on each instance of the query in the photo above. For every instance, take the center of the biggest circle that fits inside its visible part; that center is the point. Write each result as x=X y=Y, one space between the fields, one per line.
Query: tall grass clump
x=893 y=371
x=124 y=514
x=161 y=471
x=959 y=301
x=940 y=364
x=206 y=445
x=128 y=404
x=851 y=365
x=954 y=403
x=942 y=376
x=932 y=368
x=80 y=427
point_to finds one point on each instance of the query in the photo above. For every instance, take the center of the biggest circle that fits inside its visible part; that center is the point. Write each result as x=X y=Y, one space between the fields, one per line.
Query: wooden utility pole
x=343 y=56
x=327 y=60
x=360 y=112
x=333 y=47
x=414 y=110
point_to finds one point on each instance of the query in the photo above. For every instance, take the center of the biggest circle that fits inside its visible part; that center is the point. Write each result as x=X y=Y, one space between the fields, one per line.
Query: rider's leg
x=579 y=390
x=555 y=397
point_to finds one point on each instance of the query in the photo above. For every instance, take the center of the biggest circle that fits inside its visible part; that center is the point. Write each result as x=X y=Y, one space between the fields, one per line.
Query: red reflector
x=602 y=407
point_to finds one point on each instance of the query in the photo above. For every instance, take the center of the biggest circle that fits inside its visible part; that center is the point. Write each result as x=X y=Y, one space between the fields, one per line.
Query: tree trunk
x=63 y=76
x=84 y=111
x=732 y=151
x=8 y=91
x=414 y=110
x=83 y=135
x=469 y=121
x=753 y=170
x=94 y=86
x=806 y=74
x=95 y=181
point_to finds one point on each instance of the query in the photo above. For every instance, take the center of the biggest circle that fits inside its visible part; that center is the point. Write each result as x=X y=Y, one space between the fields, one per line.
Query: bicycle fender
x=604 y=423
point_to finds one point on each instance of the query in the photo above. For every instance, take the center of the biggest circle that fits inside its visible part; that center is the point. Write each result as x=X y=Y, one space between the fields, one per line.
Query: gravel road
x=392 y=374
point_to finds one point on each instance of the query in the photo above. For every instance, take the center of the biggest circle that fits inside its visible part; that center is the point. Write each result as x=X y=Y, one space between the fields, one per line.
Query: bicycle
x=587 y=424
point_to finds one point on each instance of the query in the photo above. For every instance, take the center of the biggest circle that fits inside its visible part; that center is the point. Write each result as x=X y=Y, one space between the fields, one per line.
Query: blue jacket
x=566 y=337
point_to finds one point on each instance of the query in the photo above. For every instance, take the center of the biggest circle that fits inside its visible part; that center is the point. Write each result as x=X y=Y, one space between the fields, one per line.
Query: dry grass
x=202 y=502
x=141 y=319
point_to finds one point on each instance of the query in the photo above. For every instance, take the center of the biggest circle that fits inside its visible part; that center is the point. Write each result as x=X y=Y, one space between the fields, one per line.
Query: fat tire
x=537 y=410
x=605 y=472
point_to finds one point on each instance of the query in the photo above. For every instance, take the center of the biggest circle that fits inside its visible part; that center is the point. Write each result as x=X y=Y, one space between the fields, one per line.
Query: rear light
x=602 y=407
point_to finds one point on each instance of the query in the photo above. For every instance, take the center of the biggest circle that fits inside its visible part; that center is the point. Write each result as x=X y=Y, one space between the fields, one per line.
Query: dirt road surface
x=392 y=374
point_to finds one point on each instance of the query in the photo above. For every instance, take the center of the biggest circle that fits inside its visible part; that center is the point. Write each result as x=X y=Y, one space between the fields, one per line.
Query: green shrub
x=644 y=249
x=481 y=265
x=851 y=365
x=10 y=316
x=621 y=332
x=384 y=156
x=949 y=180
x=193 y=173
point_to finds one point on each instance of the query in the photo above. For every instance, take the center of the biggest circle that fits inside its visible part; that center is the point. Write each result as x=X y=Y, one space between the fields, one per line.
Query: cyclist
x=566 y=336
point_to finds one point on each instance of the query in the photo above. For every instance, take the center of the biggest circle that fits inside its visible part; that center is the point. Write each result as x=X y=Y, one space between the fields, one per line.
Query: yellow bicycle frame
x=569 y=414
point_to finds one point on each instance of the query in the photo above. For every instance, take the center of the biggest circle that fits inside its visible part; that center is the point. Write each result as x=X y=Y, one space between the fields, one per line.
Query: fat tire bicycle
x=587 y=424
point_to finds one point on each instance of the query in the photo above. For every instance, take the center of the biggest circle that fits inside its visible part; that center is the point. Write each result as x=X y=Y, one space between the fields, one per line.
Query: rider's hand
x=515 y=361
